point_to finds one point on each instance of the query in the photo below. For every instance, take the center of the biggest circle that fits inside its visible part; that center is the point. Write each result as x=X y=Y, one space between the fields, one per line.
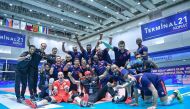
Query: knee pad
x=48 y=98
x=168 y=101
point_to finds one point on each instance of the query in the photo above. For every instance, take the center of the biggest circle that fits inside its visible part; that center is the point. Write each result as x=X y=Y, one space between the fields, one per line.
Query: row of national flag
x=16 y=24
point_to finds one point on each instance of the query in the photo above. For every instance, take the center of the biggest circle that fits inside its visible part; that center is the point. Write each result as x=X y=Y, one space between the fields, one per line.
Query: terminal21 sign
x=12 y=39
x=179 y=22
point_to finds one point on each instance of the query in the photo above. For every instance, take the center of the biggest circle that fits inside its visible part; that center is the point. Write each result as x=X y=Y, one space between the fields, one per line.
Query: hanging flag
x=16 y=24
x=44 y=30
x=35 y=28
x=23 y=25
x=40 y=29
x=9 y=22
x=29 y=27
x=47 y=30
x=1 y=21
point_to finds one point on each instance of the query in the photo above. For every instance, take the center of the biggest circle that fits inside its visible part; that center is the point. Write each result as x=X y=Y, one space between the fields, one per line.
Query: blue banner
x=169 y=25
x=12 y=39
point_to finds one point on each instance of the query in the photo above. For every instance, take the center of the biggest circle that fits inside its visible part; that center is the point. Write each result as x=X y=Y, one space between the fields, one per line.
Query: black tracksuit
x=21 y=74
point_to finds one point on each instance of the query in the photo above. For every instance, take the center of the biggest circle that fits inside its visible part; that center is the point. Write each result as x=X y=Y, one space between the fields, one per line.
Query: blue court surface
x=8 y=100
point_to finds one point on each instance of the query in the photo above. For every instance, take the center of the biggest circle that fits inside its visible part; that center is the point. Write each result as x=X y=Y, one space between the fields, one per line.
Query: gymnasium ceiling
x=83 y=17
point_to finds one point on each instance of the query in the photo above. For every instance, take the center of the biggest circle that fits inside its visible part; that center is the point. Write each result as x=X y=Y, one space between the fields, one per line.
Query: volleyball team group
x=86 y=76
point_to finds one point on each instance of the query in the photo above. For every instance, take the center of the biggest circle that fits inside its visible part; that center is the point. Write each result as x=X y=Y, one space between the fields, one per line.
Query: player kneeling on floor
x=153 y=87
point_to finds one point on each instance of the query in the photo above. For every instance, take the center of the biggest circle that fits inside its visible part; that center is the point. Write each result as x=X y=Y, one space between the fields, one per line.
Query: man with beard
x=22 y=72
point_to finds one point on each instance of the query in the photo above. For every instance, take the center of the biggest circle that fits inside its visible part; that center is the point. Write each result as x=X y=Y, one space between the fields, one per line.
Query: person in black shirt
x=92 y=87
x=38 y=55
x=22 y=72
x=51 y=58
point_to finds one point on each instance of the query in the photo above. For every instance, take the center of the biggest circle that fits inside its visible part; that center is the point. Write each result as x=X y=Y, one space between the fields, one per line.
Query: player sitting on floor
x=60 y=93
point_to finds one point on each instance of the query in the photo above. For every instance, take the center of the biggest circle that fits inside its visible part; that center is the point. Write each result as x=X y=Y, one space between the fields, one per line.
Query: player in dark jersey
x=142 y=49
x=74 y=54
x=141 y=65
x=153 y=87
x=122 y=55
x=57 y=67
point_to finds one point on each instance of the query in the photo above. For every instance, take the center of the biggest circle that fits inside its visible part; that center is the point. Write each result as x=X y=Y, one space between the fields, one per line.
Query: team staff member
x=51 y=58
x=22 y=72
x=38 y=55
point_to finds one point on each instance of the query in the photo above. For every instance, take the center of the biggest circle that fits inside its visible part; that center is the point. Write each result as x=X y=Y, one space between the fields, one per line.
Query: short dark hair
x=121 y=42
x=88 y=45
x=30 y=46
x=54 y=48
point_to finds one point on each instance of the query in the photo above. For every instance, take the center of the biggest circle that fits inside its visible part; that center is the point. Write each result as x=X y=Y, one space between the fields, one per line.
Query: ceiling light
x=75 y=11
x=148 y=10
x=52 y=26
x=61 y=19
x=5 y=14
x=88 y=15
x=105 y=7
x=75 y=23
x=48 y=15
x=59 y=6
x=23 y=19
x=38 y=22
x=117 y=12
x=86 y=27
x=11 y=4
x=138 y=3
x=64 y=29
x=30 y=10
x=174 y=0
x=91 y=0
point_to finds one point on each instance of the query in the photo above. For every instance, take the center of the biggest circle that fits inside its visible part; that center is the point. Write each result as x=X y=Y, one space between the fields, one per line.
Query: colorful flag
x=35 y=28
x=45 y=30
x=1 y=21
x=40 y=29
x=23 y=25
x=29 y=27
x=16 y=24
x=9 y=23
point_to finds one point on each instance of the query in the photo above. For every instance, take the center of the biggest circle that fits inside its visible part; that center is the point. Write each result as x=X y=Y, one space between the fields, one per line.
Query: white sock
x=39 y=104
x=78 y=100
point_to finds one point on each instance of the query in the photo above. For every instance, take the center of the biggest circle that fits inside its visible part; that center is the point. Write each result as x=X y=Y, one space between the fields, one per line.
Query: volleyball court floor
x=8 y=99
